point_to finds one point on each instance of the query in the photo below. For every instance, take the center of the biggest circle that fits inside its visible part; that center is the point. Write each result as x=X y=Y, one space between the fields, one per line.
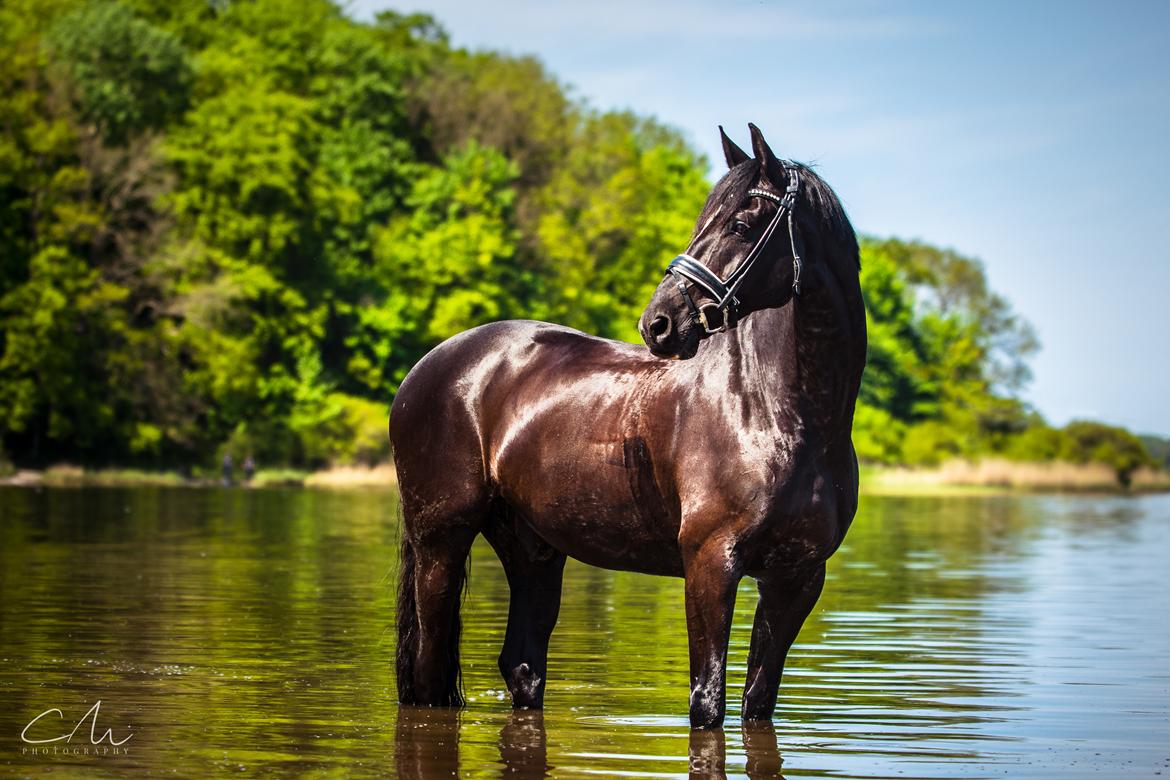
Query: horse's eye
x=740 y=228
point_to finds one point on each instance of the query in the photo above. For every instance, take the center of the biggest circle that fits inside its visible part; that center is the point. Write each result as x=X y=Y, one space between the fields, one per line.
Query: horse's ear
x=732 y=153
x=763 y=152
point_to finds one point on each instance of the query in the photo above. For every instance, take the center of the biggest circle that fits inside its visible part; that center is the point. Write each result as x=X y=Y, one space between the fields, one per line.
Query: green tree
x=127 y=75
x=64 y=337
x=1094 y=442
x=956 y=287
x=620 y=205
x=1159 y=449
x=945 y=357
x=444 y=266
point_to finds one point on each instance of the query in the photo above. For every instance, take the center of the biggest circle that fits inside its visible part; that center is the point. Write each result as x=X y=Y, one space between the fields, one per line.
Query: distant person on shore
x=227 y=469
x=249 y=467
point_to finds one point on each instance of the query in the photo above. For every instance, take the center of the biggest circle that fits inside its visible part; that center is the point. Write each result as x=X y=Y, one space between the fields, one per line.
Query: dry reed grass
x=381 y=476
x=994 y=473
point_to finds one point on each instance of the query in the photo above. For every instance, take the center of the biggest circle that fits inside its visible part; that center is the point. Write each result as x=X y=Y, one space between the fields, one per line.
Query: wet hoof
x=757 y=711
x=759 y=716
x=527 y=688
x=706 y=710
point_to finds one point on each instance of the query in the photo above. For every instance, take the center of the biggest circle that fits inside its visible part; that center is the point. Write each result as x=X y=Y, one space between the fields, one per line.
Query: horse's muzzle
x=666 y=339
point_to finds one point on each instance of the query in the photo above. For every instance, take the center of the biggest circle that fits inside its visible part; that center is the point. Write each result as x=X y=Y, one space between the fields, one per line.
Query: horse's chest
x=795 y=541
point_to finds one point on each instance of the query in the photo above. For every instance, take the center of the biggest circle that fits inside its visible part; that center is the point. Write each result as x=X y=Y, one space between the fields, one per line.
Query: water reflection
x=253 y=631
x=708 y=753
x=762 y=754
x=427 y=745
x=524 y=745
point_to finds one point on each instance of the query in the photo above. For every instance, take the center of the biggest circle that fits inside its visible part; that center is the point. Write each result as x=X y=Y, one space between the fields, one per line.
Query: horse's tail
x=407 y=624
x=453 y=680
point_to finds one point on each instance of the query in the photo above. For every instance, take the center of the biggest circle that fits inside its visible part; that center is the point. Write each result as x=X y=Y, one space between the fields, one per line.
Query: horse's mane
x=732 y=189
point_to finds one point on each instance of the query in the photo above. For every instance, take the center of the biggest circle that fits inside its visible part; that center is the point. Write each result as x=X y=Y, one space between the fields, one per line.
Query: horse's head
x=745 y=254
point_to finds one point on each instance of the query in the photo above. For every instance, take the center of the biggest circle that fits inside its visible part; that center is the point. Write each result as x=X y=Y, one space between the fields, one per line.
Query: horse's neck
x=805 y=358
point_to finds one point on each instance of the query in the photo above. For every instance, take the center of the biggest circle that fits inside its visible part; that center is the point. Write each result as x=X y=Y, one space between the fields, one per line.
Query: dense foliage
x=237 y=225
x=947 y=357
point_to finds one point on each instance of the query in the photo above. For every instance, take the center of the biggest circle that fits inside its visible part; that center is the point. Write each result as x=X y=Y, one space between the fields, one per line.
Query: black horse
x=734 y=459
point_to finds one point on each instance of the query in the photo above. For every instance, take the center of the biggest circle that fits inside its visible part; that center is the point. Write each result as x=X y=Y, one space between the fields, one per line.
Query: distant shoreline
x=986 y=477
x=339 y=477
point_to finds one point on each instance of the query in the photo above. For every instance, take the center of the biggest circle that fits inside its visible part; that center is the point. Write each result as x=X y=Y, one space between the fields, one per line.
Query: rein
x=686 y=269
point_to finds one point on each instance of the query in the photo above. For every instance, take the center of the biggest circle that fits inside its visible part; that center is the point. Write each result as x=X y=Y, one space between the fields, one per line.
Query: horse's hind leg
x=437 y=538
x=782 y=609
x=532 y=615
x=534 y=570
x=440 y=572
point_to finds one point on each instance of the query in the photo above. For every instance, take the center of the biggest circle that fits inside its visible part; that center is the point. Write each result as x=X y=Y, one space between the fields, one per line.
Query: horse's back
x=457 y=372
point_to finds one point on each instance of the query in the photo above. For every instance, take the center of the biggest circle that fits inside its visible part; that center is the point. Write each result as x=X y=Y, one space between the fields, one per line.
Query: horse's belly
x=594 y=515
x=610 y=545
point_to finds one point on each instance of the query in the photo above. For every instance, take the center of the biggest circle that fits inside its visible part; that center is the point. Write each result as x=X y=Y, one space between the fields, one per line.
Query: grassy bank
x=380 y=476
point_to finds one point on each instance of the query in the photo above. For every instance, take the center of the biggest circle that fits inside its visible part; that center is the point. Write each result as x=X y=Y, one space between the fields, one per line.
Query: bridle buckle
x=726 y=321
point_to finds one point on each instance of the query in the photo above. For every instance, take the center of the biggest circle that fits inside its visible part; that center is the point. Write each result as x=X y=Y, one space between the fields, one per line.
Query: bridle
x=685 y=268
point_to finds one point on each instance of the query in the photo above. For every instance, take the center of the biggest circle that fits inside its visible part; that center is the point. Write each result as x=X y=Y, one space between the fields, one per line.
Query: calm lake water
x=250 y=632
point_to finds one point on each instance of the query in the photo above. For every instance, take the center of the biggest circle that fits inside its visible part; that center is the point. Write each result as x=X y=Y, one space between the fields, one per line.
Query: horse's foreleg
x=711 y=579
x=782 y=609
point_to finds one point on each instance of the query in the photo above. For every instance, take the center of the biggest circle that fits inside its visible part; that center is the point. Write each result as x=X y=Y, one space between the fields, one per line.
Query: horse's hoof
x=527 y=688
x=706 y=711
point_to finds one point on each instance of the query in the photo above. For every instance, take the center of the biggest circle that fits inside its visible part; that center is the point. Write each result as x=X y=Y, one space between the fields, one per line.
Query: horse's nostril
x=660 y=327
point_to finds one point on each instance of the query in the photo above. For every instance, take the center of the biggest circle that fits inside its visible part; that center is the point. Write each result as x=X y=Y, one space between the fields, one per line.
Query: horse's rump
x=548 y=420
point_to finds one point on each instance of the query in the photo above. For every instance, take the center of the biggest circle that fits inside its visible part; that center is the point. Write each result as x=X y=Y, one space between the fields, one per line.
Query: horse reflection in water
x=708 y=752
x=426 y=746
x=735 y=459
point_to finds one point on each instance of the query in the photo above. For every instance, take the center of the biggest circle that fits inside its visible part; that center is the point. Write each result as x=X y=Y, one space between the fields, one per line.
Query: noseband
x=685 y=268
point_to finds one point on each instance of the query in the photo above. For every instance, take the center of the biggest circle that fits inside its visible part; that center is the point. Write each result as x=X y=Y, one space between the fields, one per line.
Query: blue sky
x=1030 y=135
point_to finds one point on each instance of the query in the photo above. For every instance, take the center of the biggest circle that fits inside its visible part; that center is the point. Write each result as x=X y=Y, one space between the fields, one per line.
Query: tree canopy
x=238 y=225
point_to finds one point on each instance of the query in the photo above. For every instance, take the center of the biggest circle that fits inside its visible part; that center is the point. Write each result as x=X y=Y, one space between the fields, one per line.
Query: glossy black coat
x=734 y=460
